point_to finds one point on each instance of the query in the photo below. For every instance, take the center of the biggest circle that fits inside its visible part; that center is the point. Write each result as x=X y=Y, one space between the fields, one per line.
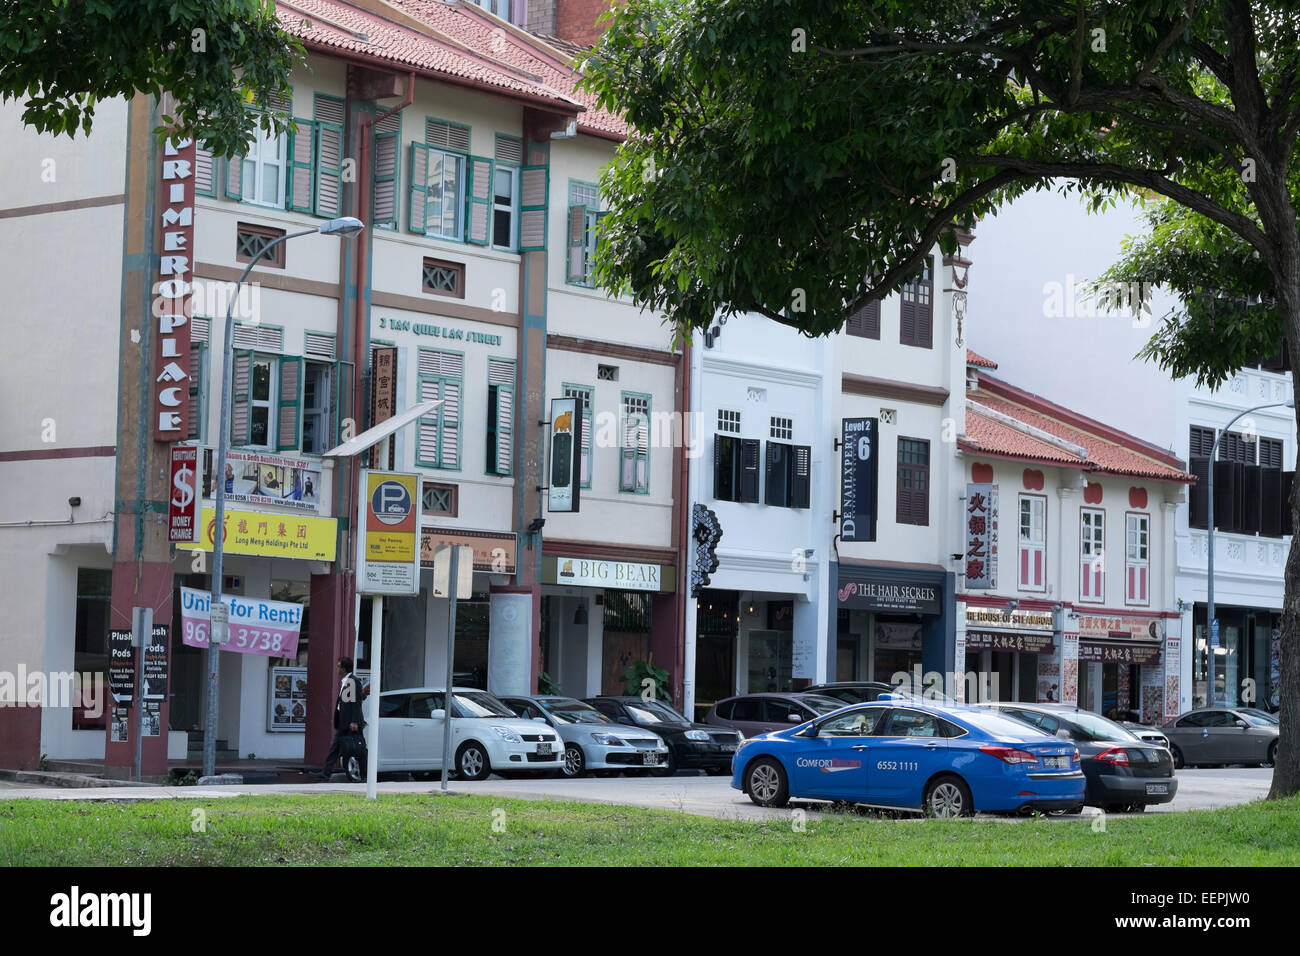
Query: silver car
x=592 y=742
x=1221 y=735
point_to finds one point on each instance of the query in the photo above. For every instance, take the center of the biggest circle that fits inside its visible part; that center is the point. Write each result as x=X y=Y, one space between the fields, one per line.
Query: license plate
x=544 y=750
x=728 y=748
x=1157 y=788
x=651 y=758
x=1056 y=762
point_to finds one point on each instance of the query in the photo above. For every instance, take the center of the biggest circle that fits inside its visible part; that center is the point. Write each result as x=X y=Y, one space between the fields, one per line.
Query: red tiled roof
x=333 y=25
x=1108 y=449
x=974 y=358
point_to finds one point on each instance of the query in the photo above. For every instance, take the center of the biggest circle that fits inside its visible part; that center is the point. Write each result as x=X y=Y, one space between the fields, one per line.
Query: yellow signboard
x=389 y=560
x=271 y=535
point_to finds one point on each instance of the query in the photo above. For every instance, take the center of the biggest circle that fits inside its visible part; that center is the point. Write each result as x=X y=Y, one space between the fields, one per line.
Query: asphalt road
x=706 y=796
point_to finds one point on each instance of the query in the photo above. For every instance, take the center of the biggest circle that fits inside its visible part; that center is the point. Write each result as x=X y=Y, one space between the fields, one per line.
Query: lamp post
x=347 y=227
x=1209 y=580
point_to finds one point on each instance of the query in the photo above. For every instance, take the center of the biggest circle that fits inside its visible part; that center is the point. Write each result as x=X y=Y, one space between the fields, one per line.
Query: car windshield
x=820 y=704
x=574 y=712
x=1097 y=727
x=479 y=703
x=995 y=723
x=1257 y=718
x=653 y=712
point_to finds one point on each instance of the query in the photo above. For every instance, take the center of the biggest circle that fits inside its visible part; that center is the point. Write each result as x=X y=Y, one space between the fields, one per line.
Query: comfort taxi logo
x=829 y=764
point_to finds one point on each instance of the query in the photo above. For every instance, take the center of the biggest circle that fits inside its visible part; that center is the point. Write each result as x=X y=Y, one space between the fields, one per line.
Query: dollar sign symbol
x=184 y=486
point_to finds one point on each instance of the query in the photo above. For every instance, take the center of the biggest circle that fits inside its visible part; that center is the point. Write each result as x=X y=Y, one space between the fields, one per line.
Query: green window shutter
x=577 y=244
x=628 y=454
x=302 y=156
x=198 y=367
x=340 y=386
x=234 y=182
x=205 y=172
x=290 y=419
x=505 y=428
x=417 y=198
x=641 y=477
x=328 y=200
x=534 y=182
x=383 y=209
x=427 y=448
x=478 y=200
x=240 y=393
x=449 y=436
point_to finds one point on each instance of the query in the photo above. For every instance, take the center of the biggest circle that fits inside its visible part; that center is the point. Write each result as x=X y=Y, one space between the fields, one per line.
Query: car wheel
x=947 y=797
x=1135 y=808
x=667 y=768
x=575 y=764
x=1178 y=757
x=766 y=784
x=355 y=768
x=472 y=762
x=1272 y=755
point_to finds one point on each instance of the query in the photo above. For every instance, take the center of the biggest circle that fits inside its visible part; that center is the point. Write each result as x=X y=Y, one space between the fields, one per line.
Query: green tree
x=215 y=57
x=799 y=158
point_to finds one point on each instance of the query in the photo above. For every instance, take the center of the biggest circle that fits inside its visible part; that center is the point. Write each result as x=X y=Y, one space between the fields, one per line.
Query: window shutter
x=576 y=242
x=1224 y=518
x=924 y=310
x=643 y=454
x=290 y=421
x=1271 y=502
x=627 y=472
x=906 y=319
x=328 y=200
x=777 y=491
x=723 y=456
x=383 y=210
x=505 y=427
x=478 y=201
x=239 y=396
x=198 y=353
x=534 y=181
x=1239 y=496
x=865 y=323
x=417 y=194
x=801 y=483
x=450 y=433
x=234 y=182
x=341 y=382
x=205 y=172
x=586 y=450
x=430 y=390
x=750 y=453
x=1287 y=479
x=1198 y=494
x=1252 y=499
x=302 y=155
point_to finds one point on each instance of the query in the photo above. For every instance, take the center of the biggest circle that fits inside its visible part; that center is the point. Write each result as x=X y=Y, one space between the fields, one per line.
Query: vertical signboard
x=389 y=556
x=383 y=399
x=171 y=352
x=565 y=486
x=859 y=479
x=981 y=533
x=183 y=506
x=153 y=672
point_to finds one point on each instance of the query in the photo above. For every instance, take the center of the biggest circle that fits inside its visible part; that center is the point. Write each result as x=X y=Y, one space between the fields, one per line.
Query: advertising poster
x=121 y=667
x=565 y=487
x=257 y=625
x=155 y=664
x=389 y=559
x=858 y=479
x=258 y=479
x=120 y=731
x=288 y=705
x=151 y=721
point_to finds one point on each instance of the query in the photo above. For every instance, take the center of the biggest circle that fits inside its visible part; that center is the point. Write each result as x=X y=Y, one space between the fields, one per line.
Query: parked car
x=1124 y=772
x=486 y=735
x=1131 y=721
x=690 y=744
x=1222 y=735
x=913 y=755
x=851 y=692
x=753 y=714
x=592 y=741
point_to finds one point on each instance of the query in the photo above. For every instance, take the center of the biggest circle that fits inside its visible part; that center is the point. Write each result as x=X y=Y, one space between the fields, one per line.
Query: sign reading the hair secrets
x=439 y=331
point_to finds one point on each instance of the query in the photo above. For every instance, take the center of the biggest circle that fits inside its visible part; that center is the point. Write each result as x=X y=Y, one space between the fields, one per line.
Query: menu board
x=287 y=710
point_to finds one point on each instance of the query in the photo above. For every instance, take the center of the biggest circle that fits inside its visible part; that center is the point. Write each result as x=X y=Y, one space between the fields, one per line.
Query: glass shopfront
x=1246 y=660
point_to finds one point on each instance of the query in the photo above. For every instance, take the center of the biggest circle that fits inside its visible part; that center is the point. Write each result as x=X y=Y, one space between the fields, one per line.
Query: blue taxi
x=942 y=760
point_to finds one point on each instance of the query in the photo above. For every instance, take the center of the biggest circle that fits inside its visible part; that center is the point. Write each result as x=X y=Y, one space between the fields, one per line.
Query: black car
x=1124 y=772
x=855 y=691
x=690 y=745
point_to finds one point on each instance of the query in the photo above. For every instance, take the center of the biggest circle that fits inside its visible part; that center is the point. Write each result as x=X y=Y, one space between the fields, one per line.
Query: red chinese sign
x=981 y=554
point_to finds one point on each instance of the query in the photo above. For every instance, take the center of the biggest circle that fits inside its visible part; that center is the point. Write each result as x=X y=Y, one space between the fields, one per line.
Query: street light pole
x=346 y=227
x=1209 y=580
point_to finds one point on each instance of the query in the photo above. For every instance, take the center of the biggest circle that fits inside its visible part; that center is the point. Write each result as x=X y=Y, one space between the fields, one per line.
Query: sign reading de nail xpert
x=858 y=480
x=171 y=366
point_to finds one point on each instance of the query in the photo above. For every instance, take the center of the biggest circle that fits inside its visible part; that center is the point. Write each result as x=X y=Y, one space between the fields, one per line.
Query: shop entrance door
x=771 y=661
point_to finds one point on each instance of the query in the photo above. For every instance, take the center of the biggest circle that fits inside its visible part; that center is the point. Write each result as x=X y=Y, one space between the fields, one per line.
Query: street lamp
x=1209 y=602
x=347 y=227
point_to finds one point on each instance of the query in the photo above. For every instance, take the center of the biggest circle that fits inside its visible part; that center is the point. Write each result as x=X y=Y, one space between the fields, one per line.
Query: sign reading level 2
x=389 y=562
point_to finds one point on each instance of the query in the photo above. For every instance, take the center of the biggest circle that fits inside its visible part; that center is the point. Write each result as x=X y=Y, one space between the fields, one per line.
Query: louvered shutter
x=865 y=322
x=775 y=485
x=585 y=477
x=534 y=181
x=801 y=482
x=302 y=158
x=450 y=435
x=198 y=367
x=478 y=196
x=1252 y=495
x=383 y=213
x=1225 y=518
x=1198 y=494
x=234 y=182
x=723 y=457
x=643 y=454
x=750 y=454
x=328 y=199
x=1271 y=503
x=417 y=194
x=240 y=389
x=290 y=417
x=627 y=475
x=430 y=390
x=340 y=396
x=1288 y=478
x=505 y=428
x=205 y=172
x=576 y=243
x=906 y=318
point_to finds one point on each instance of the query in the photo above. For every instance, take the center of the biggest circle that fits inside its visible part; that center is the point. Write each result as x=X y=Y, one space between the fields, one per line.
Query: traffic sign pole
x=141 y=634
x=453 y=572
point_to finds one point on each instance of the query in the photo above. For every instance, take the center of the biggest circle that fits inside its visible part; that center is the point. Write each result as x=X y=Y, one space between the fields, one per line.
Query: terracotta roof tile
x=974 y=358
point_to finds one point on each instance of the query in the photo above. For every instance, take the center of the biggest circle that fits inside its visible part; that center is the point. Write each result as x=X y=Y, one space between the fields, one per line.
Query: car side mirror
x=1063 y=733
x=542 y=719
x=811 y=731
x=438 y=714
x=1243 y=724
x=794 y=718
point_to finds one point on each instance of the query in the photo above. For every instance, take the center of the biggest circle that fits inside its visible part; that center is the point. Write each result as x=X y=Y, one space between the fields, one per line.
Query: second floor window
x=1092 y=543
x=262 y=172
x=1137 y=563
x=634 y=471
x=916 y=309
x=1033 y=557
x=583 y=232
x=1249 y=497
x=912 y=504
x=441 y=376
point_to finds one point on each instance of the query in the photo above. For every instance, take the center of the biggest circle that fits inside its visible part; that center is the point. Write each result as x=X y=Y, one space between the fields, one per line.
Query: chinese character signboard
x=859 y=467
x=383 y=398
x=271 y=535
x=171 y=353
x=980 y=559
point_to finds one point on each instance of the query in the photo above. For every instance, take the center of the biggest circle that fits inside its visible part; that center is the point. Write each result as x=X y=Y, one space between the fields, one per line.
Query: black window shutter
x=801 y=483
x=906 y=319
x=1287 y=478
x=749 y=454
x=776 y=491
x=1198 y=494
x=1239 y=495
x=1223 y=508
x=1270 y=502
x=723 y=458
x=921 y=494
x=1251 y=499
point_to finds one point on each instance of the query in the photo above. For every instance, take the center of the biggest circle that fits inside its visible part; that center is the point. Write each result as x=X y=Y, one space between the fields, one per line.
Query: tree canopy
x=216 y=57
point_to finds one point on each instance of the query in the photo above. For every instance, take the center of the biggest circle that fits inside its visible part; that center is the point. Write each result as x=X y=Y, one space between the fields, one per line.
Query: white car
x=486 y=736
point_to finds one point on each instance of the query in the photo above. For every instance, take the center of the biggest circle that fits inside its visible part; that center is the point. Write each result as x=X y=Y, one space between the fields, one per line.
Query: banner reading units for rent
x=257 y=626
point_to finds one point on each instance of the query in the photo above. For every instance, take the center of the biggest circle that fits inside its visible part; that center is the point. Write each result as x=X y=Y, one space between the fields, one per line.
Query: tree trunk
x=1286 y=772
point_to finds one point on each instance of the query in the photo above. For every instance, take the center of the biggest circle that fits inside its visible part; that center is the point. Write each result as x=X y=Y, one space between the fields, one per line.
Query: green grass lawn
x=435 y=830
